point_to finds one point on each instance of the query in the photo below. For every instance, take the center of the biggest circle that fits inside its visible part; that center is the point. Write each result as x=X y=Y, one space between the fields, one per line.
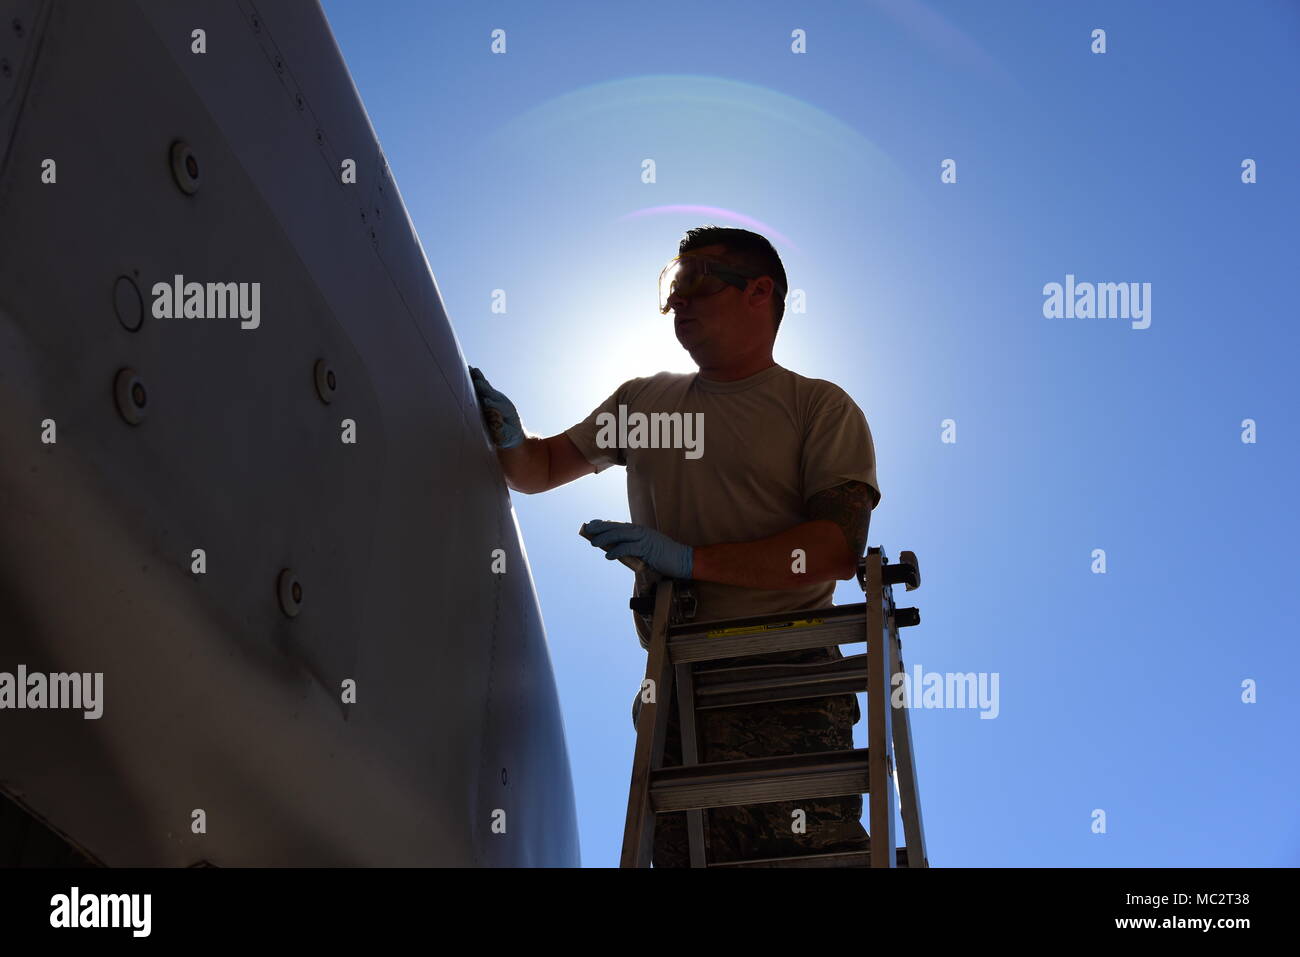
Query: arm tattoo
x=849 y=507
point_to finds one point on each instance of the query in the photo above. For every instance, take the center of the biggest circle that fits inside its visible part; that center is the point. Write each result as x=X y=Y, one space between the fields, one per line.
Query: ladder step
x=764 y=634
x=789 y=777
x=759 y=684
x=829 y=859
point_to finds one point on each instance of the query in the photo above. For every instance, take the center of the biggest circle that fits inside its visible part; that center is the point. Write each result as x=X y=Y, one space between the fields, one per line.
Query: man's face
x=722 y=321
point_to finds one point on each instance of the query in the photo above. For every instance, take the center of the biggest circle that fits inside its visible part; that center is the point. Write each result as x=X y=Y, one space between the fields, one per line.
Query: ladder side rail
x=909 y=792
x=651 y=735
x=879 y=738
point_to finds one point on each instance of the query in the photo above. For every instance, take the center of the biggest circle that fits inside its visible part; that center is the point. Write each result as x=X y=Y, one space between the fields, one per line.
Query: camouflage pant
x=755 y=731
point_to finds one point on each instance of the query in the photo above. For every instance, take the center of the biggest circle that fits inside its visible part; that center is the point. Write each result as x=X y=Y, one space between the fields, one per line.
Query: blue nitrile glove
x=621 y=539
x=498 y=413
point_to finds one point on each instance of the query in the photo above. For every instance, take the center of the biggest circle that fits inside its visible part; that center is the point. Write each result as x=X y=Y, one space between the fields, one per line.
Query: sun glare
x=648 y=345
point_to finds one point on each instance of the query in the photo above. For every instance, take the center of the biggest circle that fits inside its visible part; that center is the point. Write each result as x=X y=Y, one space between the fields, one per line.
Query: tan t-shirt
x=749 y=455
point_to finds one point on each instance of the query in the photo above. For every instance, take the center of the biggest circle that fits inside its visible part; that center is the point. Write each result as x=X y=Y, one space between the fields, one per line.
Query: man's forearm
x=774 y=563
x=526 y=467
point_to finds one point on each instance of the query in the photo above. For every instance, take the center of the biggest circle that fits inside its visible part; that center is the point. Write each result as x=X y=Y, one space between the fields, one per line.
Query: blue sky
x=1119 y=691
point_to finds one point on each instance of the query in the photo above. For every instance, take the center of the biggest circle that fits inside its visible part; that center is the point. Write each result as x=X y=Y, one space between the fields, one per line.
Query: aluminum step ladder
x=677 y=644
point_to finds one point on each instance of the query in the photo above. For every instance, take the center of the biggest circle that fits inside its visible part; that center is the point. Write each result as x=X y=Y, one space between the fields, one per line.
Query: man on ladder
x=764 y=511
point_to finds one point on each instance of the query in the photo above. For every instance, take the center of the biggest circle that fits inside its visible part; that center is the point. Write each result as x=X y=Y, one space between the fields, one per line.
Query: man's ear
x=763 y=284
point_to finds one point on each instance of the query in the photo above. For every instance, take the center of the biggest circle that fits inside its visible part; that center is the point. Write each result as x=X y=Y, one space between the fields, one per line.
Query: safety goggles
x=693 y=276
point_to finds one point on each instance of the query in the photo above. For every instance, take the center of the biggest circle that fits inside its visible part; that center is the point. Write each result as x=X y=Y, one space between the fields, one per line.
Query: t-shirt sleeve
x=584 y=435
x=838 y=448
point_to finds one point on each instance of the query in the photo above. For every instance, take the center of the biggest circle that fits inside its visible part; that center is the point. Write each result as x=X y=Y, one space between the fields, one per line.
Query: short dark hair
x=746 y=249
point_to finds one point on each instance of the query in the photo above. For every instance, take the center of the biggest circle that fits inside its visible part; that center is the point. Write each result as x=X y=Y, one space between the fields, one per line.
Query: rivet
x=503 y=775
x=128 y=304
x=289 y=591
x=326 y=381
x=185 y=168
x=130 y=395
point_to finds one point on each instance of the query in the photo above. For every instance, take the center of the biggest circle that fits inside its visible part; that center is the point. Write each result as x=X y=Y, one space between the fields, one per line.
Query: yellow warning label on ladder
x=772 y=626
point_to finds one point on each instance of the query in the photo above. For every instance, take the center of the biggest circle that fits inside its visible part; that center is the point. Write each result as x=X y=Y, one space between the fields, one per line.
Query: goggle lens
x=682 y=277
